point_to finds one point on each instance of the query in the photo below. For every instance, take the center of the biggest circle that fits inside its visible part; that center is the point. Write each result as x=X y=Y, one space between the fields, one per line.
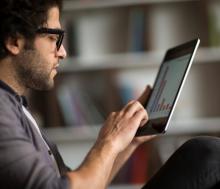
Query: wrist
x=106 y=147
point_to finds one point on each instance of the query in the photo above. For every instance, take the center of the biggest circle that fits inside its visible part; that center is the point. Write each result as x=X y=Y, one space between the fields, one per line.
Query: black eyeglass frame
x=58 y=32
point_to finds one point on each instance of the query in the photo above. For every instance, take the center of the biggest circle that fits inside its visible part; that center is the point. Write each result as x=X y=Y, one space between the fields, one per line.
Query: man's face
x=37 y=67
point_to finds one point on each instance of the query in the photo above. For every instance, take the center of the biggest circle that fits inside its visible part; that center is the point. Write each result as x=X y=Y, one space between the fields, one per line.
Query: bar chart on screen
x=166 y=87
x=156 y=106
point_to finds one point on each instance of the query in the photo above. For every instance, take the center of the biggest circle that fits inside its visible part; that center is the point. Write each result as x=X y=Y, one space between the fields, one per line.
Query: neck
x=9 y=76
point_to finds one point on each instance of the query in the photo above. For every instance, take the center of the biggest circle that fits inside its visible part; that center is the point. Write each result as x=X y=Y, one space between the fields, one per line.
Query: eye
x=53 y=37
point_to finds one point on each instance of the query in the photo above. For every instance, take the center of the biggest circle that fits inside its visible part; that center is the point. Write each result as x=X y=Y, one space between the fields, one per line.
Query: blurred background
x=114 y=50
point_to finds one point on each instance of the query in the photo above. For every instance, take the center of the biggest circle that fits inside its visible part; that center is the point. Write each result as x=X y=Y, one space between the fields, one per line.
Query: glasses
x=58 y=32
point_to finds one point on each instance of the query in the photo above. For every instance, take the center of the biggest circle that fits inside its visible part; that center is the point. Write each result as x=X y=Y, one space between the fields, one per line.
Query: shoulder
x=9 y=109
x=7 y=101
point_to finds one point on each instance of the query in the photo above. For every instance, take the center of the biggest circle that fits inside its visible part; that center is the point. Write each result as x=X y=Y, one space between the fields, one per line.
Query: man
x=30 y=51
x=31 y=47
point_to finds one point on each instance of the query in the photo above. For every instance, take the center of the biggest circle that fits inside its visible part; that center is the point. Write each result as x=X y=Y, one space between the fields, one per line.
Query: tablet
x=167 y=87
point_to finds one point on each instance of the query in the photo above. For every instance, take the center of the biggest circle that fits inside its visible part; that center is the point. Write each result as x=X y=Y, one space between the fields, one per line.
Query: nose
x=61 y=53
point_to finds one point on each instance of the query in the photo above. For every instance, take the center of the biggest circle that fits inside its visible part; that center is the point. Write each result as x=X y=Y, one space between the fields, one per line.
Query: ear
x=14 y=45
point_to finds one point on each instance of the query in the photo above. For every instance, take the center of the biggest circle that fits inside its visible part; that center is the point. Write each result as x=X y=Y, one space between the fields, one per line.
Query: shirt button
x=49 y=152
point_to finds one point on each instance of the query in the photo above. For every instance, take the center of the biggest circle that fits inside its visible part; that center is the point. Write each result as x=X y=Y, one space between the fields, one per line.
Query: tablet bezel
x=160 y=125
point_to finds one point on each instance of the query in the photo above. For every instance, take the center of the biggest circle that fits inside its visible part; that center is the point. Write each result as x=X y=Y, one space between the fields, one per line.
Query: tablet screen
x=166 y=87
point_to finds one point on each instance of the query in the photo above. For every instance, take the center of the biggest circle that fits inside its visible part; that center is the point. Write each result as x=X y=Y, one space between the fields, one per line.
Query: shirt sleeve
x=21 y=165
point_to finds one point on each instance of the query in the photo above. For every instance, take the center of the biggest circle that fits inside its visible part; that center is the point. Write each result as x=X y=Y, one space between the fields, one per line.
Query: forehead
x=53 y=20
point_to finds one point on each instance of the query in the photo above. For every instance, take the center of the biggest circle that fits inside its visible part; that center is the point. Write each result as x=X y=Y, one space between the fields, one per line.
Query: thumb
x=145 y=95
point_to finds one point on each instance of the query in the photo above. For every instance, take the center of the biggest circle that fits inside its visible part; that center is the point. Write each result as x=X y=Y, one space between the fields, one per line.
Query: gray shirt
x=26 y=162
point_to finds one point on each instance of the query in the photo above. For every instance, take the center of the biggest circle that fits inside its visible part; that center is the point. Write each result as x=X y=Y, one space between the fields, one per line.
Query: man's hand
x=136 y=141
x=115 y=143
x=100 y=165
x=120 y=127
x=143 y=99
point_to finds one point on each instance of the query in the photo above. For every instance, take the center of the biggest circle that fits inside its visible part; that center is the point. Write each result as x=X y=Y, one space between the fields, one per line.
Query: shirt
x=29 y=116
x=28 y=160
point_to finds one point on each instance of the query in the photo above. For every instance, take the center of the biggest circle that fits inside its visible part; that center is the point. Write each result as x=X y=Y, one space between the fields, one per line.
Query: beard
x=32 y=71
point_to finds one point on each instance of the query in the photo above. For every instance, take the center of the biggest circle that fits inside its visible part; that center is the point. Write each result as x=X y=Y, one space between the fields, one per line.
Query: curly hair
x=22 y=17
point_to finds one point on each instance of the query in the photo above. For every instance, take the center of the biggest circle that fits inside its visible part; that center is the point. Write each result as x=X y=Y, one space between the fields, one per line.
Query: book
x=137 y=30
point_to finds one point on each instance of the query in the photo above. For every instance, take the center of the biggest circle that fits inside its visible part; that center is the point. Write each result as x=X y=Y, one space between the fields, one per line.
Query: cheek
x=46 y=62
x=46 y=56
x=40 y=68
x=44 y=46
x=47 y=68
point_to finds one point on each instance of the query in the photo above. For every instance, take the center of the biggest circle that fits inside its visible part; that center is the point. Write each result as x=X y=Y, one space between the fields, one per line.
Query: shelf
x=194 y=126
x=70 y=5
x=176 y=127
x=118 y=61
x=73 y=134
x=208 y=55
x=131 y=61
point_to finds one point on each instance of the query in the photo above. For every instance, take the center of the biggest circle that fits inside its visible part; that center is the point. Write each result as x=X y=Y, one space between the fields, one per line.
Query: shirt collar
x=21 y=99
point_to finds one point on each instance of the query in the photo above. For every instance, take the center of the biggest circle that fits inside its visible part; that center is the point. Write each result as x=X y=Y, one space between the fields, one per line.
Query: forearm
x=121 y=159
x=125 y=154
x=95 y=170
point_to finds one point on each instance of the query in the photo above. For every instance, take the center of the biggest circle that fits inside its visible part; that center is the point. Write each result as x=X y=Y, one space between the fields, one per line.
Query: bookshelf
x=115 y=48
